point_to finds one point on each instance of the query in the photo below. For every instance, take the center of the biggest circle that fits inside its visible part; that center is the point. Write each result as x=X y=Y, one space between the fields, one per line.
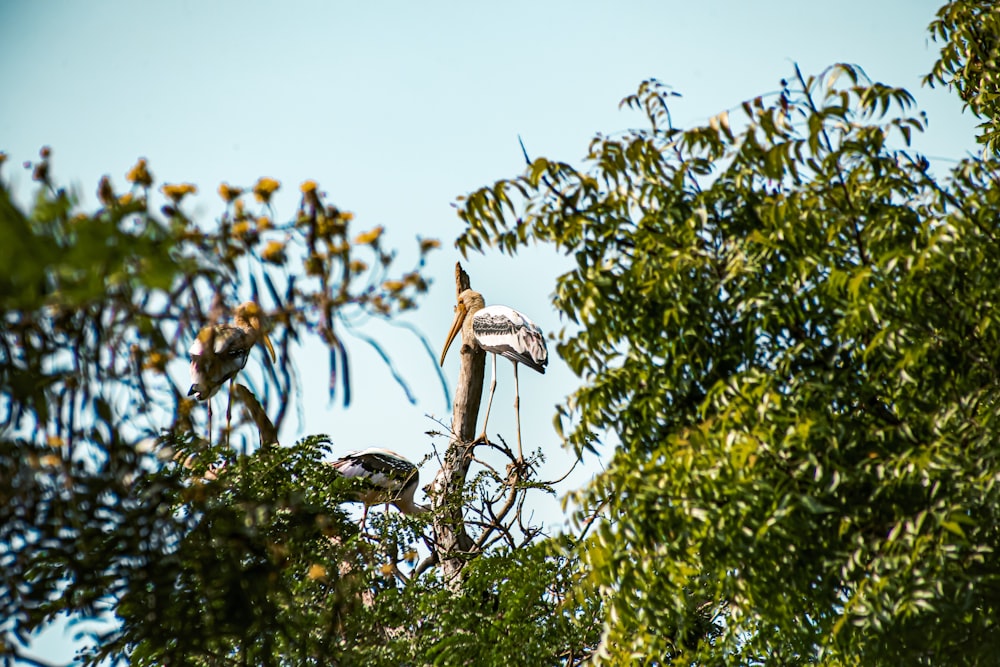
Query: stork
x=221 y=351
x=385 y=476
x=499 y=330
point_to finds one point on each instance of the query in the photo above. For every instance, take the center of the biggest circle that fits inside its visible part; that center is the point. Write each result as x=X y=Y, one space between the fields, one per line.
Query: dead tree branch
x=452 y=541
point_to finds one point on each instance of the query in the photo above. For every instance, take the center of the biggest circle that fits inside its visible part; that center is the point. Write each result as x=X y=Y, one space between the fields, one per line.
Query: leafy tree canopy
x=784 y=317
x=969 y=31
x=788 y=322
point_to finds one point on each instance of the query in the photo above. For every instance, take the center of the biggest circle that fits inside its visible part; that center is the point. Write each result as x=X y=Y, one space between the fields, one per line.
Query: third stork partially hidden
x=384 y=476
x=221 y=351
x=500 y=330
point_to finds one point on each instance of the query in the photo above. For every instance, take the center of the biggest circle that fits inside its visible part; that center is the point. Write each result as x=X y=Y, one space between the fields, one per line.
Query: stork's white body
x=499 y=330
x=509 y=333
x=387 y=478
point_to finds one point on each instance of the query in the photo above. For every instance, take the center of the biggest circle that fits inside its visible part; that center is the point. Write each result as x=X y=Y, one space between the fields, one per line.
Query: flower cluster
x=177 y=191
x=139 y=174
x=264 y=188
x=228 y=193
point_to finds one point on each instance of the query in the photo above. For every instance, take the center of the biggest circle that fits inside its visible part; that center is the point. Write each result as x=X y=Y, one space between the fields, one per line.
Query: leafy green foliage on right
x=790 y=324
x=970 y=60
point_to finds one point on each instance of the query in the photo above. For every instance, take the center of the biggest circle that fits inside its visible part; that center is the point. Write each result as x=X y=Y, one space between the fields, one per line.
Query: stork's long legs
x=493 y=386
x=517 y=413
x=229 y=409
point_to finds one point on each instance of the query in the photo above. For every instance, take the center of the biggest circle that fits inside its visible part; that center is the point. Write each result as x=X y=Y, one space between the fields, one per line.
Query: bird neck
x=407 y=506
x=250 y=326
x=473 y=302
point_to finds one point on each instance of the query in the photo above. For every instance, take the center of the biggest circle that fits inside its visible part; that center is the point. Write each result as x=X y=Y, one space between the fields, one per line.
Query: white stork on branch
x=499 y=330
x=385 y=476
x=221 y=351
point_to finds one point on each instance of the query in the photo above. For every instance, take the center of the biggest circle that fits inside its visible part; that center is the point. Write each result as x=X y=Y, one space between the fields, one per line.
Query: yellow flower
x=370 y=236
x=125 y=199
x=307 y=187
x=274 y=252
x=329 y=226
x=387 y=569
x=379 y=304
x=393 y=286
x=316 y=571
x=156 y=361
x=54 y=441
x=357 y=266
x=264 y=222
x=229 y=193
x=346 y=216
x=177 y=191
x=139 y=174
x=50 y=460
x=426 y=245
x=241 y=230
x=264 y=188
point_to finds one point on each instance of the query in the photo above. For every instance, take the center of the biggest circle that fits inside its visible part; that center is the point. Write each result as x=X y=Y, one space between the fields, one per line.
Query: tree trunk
x=453 y=543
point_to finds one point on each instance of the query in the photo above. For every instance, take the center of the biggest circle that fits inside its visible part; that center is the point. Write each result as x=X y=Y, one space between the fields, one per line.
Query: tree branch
x=452 y=540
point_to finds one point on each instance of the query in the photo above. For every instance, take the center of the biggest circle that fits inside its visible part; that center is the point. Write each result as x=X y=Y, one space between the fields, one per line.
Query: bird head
x=250 y=313
x=468 y=303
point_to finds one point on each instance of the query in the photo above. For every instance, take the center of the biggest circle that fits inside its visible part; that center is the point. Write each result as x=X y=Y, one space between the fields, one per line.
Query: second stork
x=384 y=477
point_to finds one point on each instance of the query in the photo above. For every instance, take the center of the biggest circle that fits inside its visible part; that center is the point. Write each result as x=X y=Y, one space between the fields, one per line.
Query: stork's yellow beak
x=456 y=326
x=257 y=322
x=270 y=348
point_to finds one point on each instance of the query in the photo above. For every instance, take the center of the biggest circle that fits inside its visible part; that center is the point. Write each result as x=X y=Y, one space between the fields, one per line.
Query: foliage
x=206 y=552
x=789 y=324
x=970 y=60
x=252 y=560
x=514 y=607
x=237 y=557
x=96 y=309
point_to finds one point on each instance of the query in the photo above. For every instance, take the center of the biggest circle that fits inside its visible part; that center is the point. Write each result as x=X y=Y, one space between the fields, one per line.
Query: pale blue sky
x=397 y=108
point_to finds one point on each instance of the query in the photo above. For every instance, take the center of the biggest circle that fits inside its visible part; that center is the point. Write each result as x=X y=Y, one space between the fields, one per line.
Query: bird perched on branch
x=385 y=476
x=221 y=351
x=499 y=330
